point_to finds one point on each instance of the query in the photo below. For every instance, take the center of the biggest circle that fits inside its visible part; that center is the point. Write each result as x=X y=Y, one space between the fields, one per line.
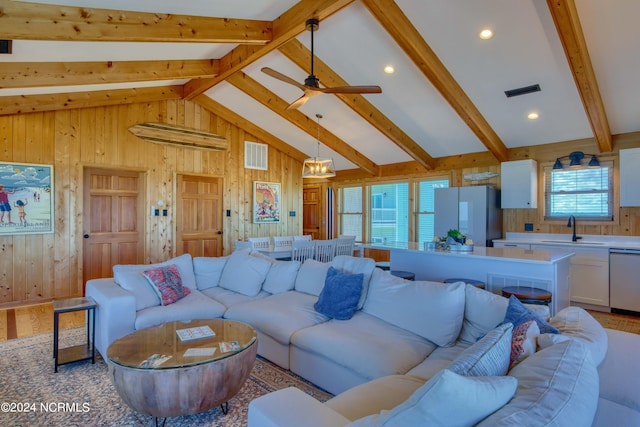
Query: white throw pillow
x=208 y=271
x=244 y=274
x=281 y=277
x=356 y=265
x=576 y=323
x=131 y=278
x=483 y=311
x=432 y=310
x=311 y=276
x=488 y=357
x=447 y=399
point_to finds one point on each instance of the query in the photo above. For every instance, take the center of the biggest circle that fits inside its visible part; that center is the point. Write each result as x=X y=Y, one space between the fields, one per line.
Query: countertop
x=564 y=240
x=502 y=254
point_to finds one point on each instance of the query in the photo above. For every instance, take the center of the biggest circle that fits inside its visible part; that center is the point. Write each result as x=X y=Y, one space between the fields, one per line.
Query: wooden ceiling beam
x=237 y=120
x=297 y=118
x=286 y=27
x=67 y=101
x=37 y=21
x=565 y=16
x=40 y=74
x=301 y=56
x=400 y=28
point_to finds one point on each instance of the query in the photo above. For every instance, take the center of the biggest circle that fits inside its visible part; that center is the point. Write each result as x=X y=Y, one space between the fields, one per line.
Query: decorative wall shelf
x=161 y=133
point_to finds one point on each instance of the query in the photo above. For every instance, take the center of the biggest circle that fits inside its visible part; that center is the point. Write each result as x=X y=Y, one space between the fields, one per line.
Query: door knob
x=219 y=231
x=86 y=236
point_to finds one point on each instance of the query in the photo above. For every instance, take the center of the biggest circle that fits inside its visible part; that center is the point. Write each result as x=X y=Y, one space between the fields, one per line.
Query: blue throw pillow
x=519 y=314
x=340 y=295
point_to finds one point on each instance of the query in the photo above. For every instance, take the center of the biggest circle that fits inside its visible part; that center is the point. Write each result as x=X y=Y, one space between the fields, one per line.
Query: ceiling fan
x=311 y=86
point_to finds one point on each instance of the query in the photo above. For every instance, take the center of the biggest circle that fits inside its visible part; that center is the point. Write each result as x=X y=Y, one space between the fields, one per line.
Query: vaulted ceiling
x=445 y=98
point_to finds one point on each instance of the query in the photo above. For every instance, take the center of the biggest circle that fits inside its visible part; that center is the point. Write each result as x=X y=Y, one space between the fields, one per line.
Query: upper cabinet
x=629 y=177
x=519 y=184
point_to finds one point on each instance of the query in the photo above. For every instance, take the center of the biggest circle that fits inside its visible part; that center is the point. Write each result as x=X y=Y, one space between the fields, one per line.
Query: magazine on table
x=227 y=346
x=195 y=333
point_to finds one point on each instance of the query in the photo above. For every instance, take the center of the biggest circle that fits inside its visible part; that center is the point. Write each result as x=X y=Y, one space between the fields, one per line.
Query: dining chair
x=306 y=237
x=345 y=245
x=302 y=250
x=280 y=242
x=240 y=245
x=325 y=250
x=260 y=242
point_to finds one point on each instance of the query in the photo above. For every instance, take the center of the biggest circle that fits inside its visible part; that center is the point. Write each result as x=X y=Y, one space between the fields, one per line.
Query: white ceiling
x=525 y=50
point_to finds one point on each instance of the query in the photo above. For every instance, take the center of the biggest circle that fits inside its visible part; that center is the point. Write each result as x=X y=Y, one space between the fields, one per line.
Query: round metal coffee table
x=156 y=373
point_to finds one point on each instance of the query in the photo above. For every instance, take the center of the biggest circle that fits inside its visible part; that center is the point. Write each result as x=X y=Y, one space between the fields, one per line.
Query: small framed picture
x=266 y=202
x=26 y=198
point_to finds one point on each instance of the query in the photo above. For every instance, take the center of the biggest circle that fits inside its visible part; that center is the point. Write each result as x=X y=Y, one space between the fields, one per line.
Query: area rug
x=81 y=393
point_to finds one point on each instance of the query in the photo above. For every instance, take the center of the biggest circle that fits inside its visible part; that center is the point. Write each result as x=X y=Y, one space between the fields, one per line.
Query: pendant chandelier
x=318 y=167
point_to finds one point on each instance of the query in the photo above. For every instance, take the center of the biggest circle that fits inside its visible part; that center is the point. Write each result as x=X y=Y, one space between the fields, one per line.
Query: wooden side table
x=80 y=352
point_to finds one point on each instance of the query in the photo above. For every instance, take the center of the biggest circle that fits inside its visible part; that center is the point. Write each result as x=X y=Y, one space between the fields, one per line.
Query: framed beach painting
x=26 y=198
x=266 y=202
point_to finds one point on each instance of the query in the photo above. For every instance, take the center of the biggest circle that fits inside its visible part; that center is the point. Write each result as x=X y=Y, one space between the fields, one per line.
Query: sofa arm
x=619 y=371
x=291 y=407
x=115 y=312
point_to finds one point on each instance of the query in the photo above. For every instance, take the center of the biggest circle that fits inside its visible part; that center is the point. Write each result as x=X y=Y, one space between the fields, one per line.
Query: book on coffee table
x=195 y=333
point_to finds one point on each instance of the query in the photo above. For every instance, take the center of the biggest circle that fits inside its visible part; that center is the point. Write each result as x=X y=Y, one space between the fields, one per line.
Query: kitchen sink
x=579 y=242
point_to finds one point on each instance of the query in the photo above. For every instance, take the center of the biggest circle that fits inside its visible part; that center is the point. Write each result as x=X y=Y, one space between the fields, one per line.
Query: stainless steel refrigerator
x=474 y=210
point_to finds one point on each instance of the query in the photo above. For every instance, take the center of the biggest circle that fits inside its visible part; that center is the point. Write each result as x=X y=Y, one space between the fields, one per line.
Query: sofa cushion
x=519 y=314
x=484 y=310
x=208 y=270
x=340 y=294
x=281 y=276
x=130 y=277
x=374 y=396
x=244 y=273
x=279 y=315
x=432 y=310
x=438 y=360
x=193 y=306
x=488 y=357
x=354 y=265
x=365 y=344
x=576 y=323
x=447 y=399
x=230 y=298
x=167 y=284
x=310 y=278
x=557 y=386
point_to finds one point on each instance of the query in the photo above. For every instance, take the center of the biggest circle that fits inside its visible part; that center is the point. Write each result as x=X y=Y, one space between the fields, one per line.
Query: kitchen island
x=497 y=267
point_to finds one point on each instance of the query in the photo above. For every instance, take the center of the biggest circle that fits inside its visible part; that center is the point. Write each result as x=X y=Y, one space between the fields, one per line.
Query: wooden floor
x=36 y=319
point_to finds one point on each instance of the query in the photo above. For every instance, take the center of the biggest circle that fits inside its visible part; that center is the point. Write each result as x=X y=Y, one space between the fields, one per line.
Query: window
x=426 y=210
x=351 y=212
x=585 y=192
x=389 y=212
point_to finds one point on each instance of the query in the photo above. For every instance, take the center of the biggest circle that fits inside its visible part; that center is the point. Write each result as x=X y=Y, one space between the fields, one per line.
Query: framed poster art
x=266 y=202
x=26 y=198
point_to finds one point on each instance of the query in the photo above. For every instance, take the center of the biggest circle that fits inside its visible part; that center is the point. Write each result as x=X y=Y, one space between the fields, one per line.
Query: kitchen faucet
x=572 y=222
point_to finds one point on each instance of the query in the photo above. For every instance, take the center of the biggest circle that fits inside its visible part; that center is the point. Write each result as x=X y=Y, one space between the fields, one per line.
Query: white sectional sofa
x=411 y=351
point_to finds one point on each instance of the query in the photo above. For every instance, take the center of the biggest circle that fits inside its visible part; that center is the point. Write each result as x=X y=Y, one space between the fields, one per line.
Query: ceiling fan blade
x=352 y=89
x=278 y=75
x=308 y=93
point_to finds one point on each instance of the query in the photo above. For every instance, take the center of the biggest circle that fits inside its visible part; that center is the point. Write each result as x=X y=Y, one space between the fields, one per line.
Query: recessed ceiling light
x=533 y=116
x=388 y=69
x=486 y=33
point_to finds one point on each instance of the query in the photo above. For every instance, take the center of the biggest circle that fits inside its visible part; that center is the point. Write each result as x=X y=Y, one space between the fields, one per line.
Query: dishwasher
x=624 y=279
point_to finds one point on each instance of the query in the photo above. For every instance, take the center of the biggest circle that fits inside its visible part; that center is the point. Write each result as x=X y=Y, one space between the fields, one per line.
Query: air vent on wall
x=255 y=155
x=522 y=90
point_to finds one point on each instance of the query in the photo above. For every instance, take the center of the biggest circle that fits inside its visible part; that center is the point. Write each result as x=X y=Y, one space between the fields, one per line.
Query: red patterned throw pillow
x=523 y=341
x=167 y=284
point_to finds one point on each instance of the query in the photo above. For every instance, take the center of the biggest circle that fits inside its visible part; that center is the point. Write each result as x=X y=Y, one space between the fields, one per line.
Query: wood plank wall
x=36 y=268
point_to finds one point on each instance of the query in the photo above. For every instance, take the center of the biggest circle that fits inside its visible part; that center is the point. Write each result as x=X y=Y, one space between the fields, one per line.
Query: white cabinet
x=519 y=184
x=629 y=177
x=511 y=245
x=589 y=280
